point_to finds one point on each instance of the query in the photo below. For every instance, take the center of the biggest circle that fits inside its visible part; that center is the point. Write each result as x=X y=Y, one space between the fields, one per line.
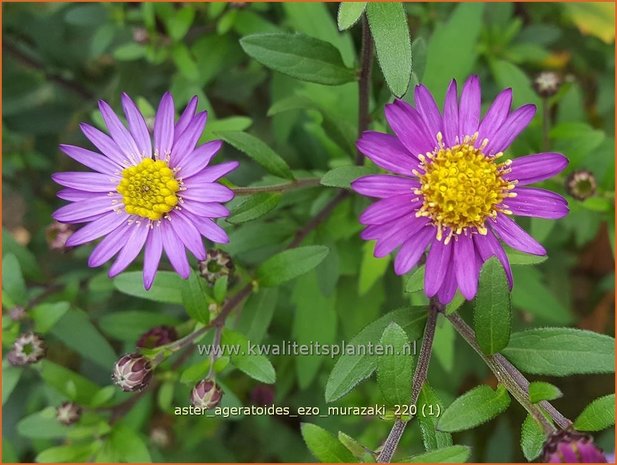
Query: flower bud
x=161 y=436
x=547 y=83
x=132 y=372
x=57 y=235
x=17 y=313
x=262 y=395
x=581 y=184
x=216 y=265
x=156 y=337
x=206 y=394
x=28 y=348
x=68 y=413
x=571 y=447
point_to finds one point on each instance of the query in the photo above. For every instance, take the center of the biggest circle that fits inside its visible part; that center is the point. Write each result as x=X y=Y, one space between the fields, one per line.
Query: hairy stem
x=504 y=376
x=419 y=377
x=364 y=85
x=297 y=184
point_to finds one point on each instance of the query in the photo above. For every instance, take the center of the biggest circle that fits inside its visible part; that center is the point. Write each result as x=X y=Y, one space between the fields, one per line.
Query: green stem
x=297 y=184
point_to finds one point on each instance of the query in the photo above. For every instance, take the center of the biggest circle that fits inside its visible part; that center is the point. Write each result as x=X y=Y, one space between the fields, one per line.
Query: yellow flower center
x=461 y=187
x=149 y=189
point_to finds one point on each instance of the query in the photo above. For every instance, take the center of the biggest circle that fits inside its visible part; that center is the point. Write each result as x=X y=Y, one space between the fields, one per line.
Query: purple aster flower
x=157 y=195
x=448 y=191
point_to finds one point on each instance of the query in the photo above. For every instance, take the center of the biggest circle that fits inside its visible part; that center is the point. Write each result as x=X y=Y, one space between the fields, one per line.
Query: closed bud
x=68 y=413
x=57 y=234
x=216 y=265
x=132 y=372
x=28 y=348
x=547 y=83
x=206 y=394
x=17 y=313
x=571 y=447
x=156 y=337
x=581 y=184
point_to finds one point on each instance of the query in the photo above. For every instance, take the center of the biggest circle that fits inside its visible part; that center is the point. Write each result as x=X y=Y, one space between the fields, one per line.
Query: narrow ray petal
x=515 y=236
x=536 y=167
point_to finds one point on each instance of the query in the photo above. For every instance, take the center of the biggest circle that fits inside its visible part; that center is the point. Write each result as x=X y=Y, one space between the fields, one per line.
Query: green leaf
x=68 y=383
x=431 y=438
x=73 y=453
x=254 y=206
x=371 y=268
x=388 y=23
x=598 y=415
x=42 y=425
x=126 y=445
x=13 y=281
x=180 y=22
x=289 y=264
x=473 y=408
x=541 y=390
x=128 y=325
x=185 y=62
x=344 y=175
x=256 y=315
x=256 y=365
x=324 y=446
x=561 y=351
x=532 y=438
x=358 y=450
x=492 y=308
x=195 y=298
x=451 y=54
x=299 y=56
x=45 y=316
x=167 y=286
x=415 y=282
x=351 y=369
x=509 y=75
x=10 y=378
x=349 y=13
x=258 y=151
x=452 y=454
x=130 y=51
x=394 y=370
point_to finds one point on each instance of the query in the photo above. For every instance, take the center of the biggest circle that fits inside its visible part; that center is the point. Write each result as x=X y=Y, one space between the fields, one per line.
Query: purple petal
x=487 y=247
x=515 y=236
x=466 y=266
x=205 y=209
x=90 y=159
x=536 y=167
x=105 y=144
x=469 y=109
x=185 y=144
x=134 y=244
x=387 y=152
x=383 y=185
x=208 y=192
x=539 y=203
x=188 y=234
x=450 y=115
x=411 y=251
x=408 y=126
x=406 y=228
x=438 y=261
x=212 y=173
x=89 y=182
x=118 y=132
x=376 y=231
x=388 y=209
x=152 y=255
x=164 y=127
x=495 y=116
x=448 y=288
x=428 y=110
x=175 y=250
x=109 y=246
x=209 y=229
x=198 y=158
x=137 y=126
x=104 y=225
x=77 y=212
x=187 y=116
x=75 y=195
x=510 y=129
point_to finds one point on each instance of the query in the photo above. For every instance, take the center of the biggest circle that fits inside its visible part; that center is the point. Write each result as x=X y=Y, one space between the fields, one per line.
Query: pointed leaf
x=473 y=408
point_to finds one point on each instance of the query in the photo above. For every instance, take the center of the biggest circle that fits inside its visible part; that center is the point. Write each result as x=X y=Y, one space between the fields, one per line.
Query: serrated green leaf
x=167 y=286
x=432 y=438
x=532 y=438
x=299 y=56
x=290 y=264
x=259 y=151
x=324 y=446
x=349 y=13
x=195 y=298
x=561 y=351
x=473 y=408
x=452 y=454
x=13 y=281
x=344 y=175
x=598 y=415
x=254 y=206
x=541 y=390
x=394 y=370
x=388 y=23
x=492 y=308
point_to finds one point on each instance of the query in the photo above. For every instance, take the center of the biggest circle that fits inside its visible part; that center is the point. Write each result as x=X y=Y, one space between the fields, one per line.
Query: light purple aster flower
x=448 y=192
x=157 y=195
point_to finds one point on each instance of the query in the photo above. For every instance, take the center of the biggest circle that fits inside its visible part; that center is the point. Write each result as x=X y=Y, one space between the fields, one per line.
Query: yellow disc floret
x=461 y=187
x=149 y=189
